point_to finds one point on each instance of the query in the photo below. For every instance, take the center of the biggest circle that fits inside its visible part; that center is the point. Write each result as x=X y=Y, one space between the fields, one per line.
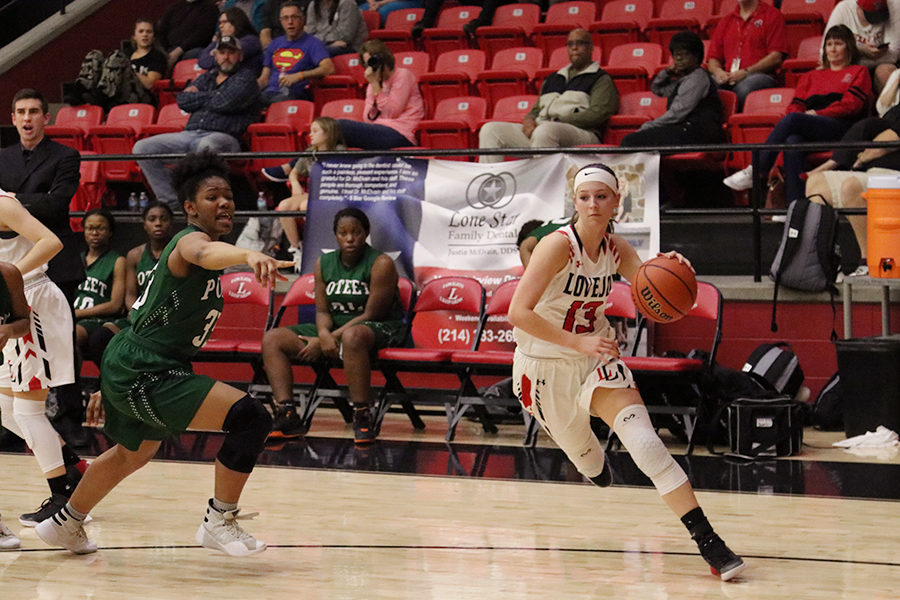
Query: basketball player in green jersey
x=15 y=322
x=357 y=312
x=141 y=260
x=101 y=296
x=149 y=391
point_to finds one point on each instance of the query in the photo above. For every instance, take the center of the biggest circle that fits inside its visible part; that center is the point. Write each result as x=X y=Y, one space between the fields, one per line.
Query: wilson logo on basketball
x=651 y=304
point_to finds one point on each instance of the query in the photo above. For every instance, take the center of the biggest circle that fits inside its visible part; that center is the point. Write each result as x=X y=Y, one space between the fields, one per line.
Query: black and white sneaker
x=47 y=509
x=722 y=561
x=363 y=429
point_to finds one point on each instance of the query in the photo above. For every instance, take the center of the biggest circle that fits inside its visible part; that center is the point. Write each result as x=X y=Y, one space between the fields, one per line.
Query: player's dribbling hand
x=94 y=414
x=677 y=256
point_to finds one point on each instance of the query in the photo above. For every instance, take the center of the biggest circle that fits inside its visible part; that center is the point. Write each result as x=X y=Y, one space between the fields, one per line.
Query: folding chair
x=246 y=315
x=184 y=71
x=478 y=362
x=433 y=350
x=117 y=136
x=72 y=123
x=674 y=386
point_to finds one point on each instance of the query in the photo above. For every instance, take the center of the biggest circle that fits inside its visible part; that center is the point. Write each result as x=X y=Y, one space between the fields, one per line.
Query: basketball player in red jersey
x=567 y=364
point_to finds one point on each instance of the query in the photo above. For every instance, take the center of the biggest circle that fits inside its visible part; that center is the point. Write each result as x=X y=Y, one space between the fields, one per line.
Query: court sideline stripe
x=487 y=548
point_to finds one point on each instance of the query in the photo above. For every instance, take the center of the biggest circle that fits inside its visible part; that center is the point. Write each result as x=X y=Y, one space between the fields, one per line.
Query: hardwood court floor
x=336 y=531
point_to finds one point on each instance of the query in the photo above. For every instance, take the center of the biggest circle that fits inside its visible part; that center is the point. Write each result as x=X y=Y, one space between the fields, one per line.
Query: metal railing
x=755 y=211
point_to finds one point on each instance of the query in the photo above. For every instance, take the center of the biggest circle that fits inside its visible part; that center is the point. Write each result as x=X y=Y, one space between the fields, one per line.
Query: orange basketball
x=664 y=290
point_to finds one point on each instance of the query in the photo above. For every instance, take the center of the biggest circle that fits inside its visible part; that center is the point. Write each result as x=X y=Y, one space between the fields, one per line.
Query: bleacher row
x=466 y=82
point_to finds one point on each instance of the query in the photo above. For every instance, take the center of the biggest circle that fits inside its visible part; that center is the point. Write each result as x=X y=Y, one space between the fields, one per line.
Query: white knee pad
x=7 y=418
x=38 y=433
x=636 y=432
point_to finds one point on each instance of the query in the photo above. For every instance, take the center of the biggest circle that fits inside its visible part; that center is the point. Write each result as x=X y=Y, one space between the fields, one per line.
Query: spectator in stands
x=270 y=24
x=233 y=22
x=101 y=296
x=386 y=7
x=157 y=220
x=573 y=105
x=120 y=78
x=826 y=103
x=253 y=9
x=185 y=28
x=293 y=59
x=693 y=109
x=222 y=103
x=338 y=23
x=358 y=311
x=843 y=178
x=486 y=16
x=877 y=44
x=324 y=135
x=747 y=47
x=393 y=107
x=44 y=176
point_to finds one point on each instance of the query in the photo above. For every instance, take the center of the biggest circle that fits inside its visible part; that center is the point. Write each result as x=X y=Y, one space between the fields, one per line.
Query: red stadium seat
x=89 y=194
x=454 y=75
x=396 y=33
x=512 y=26
x=117 y=136
x=804 y=18
x=561 y=19
x=808 y=56
x=170 y=119
x=559 y=59
x=344 y=109
x=284 y=130
x=415 y=61
x=762 y=111
x=632 y=65
x=347 y=81
x=512 y=73
x=72 y=123
x=372 y=19
x=635 y=109
x=512 y=109
x=448 y=34
x=675 y=16
x=621 y=23
x=183 y=72
x=454 y=125
x=706 y=161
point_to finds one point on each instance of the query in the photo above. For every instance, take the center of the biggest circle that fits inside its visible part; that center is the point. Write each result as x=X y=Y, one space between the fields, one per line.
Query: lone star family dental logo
x=491 y=190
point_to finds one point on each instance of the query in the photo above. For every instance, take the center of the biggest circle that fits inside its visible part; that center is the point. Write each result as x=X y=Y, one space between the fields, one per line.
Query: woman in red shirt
x=826 y=103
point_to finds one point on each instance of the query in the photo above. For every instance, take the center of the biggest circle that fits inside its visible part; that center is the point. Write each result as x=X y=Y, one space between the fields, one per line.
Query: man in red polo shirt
x=747 y=48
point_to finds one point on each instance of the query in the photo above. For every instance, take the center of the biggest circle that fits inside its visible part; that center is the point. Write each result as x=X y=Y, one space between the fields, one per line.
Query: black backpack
x=827 y=410
x=776 y=368
x=812 y=251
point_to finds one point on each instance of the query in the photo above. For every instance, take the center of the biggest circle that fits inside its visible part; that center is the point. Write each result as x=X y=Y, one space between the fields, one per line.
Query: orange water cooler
x=883 y=226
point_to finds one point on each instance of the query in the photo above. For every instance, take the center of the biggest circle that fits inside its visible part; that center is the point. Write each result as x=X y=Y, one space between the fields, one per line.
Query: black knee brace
x=246 y=427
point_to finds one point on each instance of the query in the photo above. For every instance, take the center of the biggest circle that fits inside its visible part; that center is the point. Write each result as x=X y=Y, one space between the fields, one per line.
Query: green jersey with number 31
x=178 y=313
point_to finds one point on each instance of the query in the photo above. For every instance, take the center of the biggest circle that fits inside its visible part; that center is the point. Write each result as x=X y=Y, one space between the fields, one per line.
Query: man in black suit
x=44 y=176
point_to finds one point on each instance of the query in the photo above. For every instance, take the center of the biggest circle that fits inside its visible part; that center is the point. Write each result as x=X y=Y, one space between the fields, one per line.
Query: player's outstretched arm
x=198 y=249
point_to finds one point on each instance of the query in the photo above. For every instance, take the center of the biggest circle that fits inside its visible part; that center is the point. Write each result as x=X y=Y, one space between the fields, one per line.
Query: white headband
x=596 y=174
